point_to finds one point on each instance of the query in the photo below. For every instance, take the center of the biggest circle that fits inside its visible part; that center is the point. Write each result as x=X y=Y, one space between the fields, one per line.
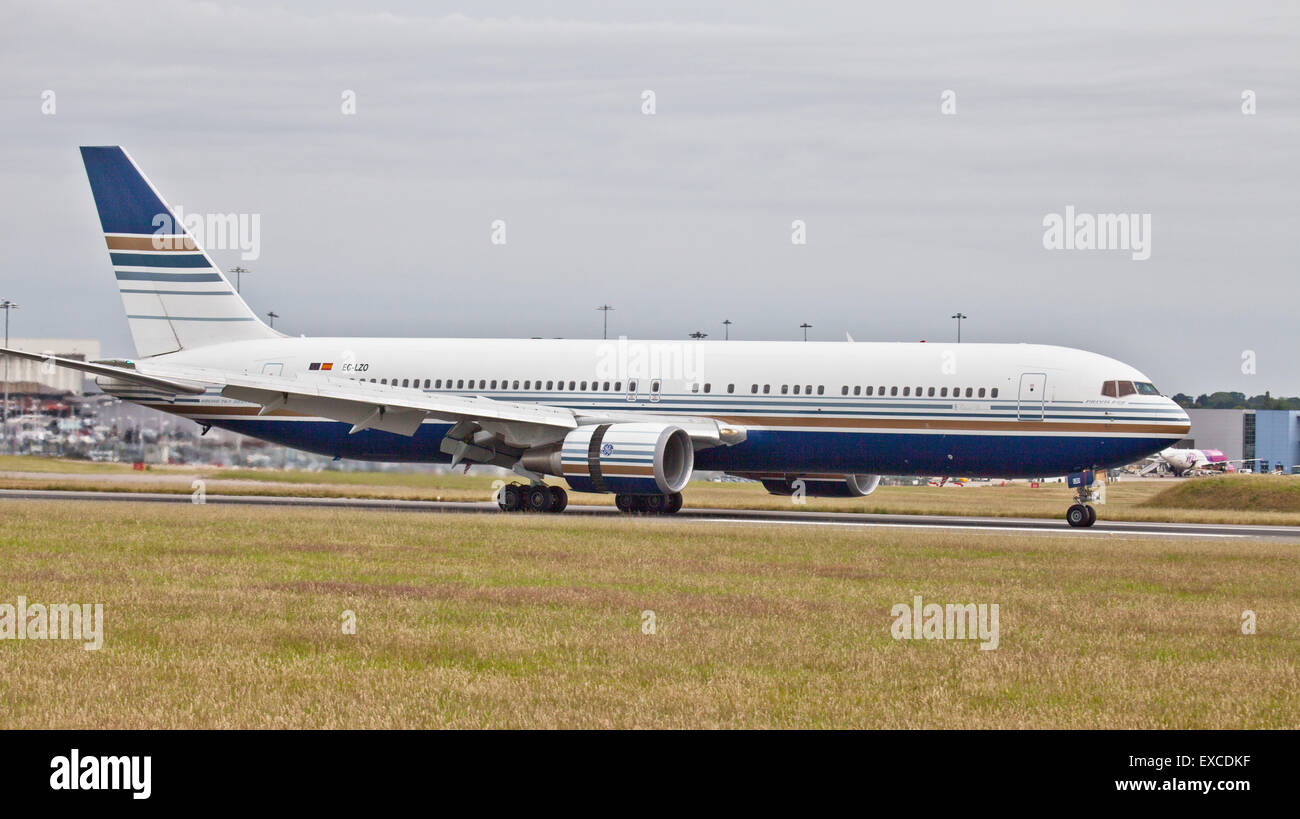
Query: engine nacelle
x=849 y=486
x=631 y=459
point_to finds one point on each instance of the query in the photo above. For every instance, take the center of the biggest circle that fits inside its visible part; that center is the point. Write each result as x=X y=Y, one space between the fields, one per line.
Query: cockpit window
x=1119 y=389
x=1108 y=389
x=1145 y=388
x=1126 y=388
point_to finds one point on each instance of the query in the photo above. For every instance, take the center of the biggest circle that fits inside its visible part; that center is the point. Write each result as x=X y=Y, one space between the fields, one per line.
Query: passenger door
x=1033 y=391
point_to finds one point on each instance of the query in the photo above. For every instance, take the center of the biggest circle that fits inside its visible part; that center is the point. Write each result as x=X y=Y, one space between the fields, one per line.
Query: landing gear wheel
x=626 y=504
x=674 y=504
x=559 y=499
x=1077 y=515
x=510 y=498
x=539 y=498
x=1092 y=516
x=654 y=504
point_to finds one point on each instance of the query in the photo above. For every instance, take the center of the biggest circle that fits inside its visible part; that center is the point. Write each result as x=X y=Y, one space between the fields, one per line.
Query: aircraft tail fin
x=175 y=297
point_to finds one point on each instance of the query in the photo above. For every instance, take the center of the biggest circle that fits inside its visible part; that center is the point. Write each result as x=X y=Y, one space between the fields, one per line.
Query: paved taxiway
x=1103 y=528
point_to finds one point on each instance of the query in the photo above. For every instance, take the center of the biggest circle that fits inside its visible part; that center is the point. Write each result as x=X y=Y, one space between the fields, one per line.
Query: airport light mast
x=805 y=327
x=272 y=315
x=726 y=328
x=239 y=271
x=605 y=308
x=959 y=316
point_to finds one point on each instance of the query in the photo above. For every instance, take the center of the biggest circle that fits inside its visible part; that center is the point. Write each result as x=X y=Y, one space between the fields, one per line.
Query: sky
x=381 y=222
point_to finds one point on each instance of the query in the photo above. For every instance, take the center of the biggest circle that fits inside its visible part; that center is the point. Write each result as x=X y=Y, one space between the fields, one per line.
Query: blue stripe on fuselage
x=1004 y=456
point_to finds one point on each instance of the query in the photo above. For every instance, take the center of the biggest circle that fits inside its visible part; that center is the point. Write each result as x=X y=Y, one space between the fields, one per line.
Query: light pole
x=605 y=308
x=238 y=271
x=7 y=305
x=805 y=327
x=726 y=327
x=272 y=315
x=959 y=316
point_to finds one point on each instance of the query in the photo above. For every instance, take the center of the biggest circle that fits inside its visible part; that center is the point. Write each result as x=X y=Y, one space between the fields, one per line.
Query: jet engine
x=628 y=459
x=848 y=486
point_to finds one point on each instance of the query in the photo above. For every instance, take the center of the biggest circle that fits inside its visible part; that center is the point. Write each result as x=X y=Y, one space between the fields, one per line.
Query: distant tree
x=1236 y=400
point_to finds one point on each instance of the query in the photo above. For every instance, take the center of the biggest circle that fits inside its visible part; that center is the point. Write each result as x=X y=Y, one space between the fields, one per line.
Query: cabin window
x=494 y=383
x=869 y=390
x=708 y=387
x=515 y=385
x=550 y=385
x=995 y=392
x=930 y=392
x=785 y=388
x=731 y=388
x=618 y=386
x=969 y=392
x=654 y=386
x=981 y=392
x=857 y=390
x=606 y=386
x=943 y=392
x=631 y=386
x=572 y=384
x=821 y=389
x=907 y=391
x=796 y=389
x=844 y=390
x=767 y=388
x=892 y=390
x=754 y=389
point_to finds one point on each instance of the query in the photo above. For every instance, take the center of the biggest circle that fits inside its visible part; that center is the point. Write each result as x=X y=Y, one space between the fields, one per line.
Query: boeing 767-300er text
x=630 y=418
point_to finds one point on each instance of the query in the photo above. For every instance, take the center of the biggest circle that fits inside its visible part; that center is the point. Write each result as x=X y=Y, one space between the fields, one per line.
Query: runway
x=1042 y=526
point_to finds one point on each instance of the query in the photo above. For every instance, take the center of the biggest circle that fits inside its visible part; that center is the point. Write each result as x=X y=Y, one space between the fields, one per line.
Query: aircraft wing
x=367 y=405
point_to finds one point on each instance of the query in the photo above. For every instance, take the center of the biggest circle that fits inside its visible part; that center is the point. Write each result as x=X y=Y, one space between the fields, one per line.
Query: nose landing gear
x=1081 y=514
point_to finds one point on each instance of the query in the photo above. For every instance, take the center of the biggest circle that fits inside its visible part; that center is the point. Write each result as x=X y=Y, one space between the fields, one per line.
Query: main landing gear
x=649 y=504
x=538 y=497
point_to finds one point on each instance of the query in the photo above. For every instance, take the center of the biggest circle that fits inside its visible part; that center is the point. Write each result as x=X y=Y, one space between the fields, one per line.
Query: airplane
x=1184 y=461
x=629 y=418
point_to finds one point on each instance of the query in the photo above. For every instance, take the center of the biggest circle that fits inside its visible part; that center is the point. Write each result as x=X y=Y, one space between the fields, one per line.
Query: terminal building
x=37 y=379
x=1262 y=440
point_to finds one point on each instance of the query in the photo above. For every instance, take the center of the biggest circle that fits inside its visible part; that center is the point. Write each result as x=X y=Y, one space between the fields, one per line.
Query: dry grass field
x=1240 y=499
x=227 y=617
